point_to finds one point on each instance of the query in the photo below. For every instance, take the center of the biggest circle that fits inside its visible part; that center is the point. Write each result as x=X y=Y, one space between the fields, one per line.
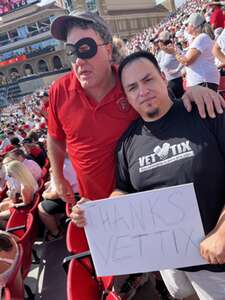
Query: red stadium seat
x=80 y=284
x=47 y=164
x=77 y=243
x=75 y=239
x=36 y=201
x=32 y=207
x=41 y=185
x=3 y=192
x=68 y=209
x=26 y=238
x=44 y=173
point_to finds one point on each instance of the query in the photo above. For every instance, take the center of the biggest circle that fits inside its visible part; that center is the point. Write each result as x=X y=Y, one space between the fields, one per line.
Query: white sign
x=145 y=231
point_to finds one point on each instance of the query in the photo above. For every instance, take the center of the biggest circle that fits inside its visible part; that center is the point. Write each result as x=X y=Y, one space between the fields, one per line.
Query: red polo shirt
x=217 y=18
x=91 y=130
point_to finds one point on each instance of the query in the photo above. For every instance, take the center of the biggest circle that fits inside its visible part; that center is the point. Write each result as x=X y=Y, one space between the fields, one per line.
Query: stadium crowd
x=42 y=130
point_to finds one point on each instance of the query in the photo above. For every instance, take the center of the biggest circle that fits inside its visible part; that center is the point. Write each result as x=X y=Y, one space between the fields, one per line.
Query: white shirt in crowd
x=221 y=42
x=69 y=174
x=13 y=185
x=203 y=69
x=168 y=63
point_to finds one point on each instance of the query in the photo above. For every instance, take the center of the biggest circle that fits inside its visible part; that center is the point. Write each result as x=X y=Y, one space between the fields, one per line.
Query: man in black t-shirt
x=168 y=146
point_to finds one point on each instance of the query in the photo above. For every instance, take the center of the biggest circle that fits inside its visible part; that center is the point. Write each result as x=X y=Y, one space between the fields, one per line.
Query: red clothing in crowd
x=217 y=18
x=91 y=130
x=7 y=149
x=44 y=110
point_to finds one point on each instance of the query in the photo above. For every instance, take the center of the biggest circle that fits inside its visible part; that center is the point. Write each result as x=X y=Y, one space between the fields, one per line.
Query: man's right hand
x=77 y=214
x=64 y=190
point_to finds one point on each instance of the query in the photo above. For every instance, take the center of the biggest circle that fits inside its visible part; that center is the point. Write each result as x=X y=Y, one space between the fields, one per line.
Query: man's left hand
x=206 y=100
x=212 y=248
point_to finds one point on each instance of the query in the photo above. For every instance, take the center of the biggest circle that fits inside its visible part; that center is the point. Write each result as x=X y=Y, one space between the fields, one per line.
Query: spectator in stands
x=42 y=109
x=27 y=183
x=53 y=204
x=119 y=50
x=92 y=84
x=32 y=166
x=5 y=141
x=34 y=136
x=199 y=61
x=13 y=186
x=217 y=16
x=219 y=50
x=169 y=64
x=35 y=152
x=217 y=32
x=15 y=142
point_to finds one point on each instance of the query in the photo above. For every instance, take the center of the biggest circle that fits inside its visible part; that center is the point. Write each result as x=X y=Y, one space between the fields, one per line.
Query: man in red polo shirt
x=88 y=112
x=217 y=16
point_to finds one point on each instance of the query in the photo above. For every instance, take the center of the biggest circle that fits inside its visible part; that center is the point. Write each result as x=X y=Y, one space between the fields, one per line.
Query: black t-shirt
x=177 y=149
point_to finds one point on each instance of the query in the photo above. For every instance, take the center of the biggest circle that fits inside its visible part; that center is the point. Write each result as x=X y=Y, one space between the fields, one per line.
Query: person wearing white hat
x=199 y=60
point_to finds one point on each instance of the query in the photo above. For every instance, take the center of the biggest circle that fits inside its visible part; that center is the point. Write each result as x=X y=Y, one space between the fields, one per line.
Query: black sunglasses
x=85 y=48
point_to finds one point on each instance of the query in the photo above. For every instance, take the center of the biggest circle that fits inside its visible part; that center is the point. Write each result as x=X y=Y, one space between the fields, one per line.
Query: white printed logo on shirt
x=165 y=154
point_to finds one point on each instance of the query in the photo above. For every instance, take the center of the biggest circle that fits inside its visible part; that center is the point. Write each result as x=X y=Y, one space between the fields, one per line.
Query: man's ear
x=109 y=50
x=164 y=77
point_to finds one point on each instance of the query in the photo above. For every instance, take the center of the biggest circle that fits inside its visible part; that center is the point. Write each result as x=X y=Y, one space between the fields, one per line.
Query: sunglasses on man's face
x=85 y=48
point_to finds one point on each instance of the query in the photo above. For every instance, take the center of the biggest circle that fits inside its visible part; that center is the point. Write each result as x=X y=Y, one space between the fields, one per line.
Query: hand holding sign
x=144 y=232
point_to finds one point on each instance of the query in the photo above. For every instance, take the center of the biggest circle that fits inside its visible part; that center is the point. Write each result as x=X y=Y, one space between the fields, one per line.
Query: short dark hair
x=27 y=141
x=15 y=141
x=33 y=136
x=135 y=56
x=5 y=243
x=17 y=152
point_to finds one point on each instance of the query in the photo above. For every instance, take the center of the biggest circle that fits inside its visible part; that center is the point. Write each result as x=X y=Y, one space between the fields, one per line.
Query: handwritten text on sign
x=146 y=231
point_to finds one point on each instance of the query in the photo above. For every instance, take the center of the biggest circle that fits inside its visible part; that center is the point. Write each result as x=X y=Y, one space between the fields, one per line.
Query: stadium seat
x=81 y=273
x=3 y=192
x=36 y=201
x=76 y=241
x=44 y=173
x=68 y=209
x=80 y=284
x=25 y=235
x=41 y=185
x=47 y=164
